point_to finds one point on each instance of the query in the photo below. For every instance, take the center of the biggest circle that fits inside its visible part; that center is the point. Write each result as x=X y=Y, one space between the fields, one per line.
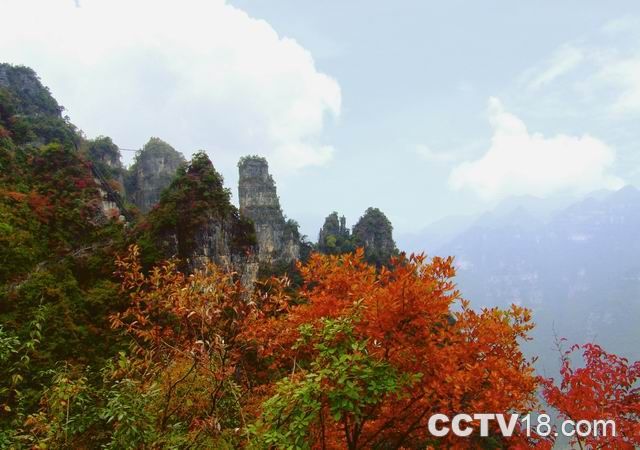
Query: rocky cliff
x=278 y=239
x=29 y=115
x=154 y=168
x=373 y=231
x=334 y=237
x=196 y=222
x=31 y=97
x=105 y=155
x=109 y=174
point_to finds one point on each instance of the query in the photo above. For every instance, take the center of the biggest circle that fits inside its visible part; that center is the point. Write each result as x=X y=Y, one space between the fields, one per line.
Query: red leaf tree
x=464 y=361
x=606 y=388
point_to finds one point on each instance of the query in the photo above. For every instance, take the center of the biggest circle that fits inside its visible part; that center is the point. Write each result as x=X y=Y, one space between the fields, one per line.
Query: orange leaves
x=199 y=313
x=467 y=361
x=185 y=329
x=409 y=334
x=38 y=203
x=13 y=195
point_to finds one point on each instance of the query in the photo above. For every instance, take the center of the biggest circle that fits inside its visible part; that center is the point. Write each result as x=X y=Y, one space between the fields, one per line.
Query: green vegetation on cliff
x=28 y=112
x=106 y=342
x=334 y=237
x=373 y=232
x=196 y=197
x=56 y=250
x=105 y=156
x=152 y=172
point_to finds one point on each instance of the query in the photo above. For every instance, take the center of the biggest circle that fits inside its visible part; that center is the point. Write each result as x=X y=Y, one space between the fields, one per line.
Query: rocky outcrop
x=278 y=239
x=102 y=150
x=30 y=97
x=28 y=112
x=105 y=156
x=196 y=222
x=151 y=173
x=216 y=241
x=334 y=237
x=374 y=232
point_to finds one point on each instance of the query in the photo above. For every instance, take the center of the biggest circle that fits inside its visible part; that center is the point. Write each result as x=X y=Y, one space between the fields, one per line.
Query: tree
x=420 y=356
x=185 y=330
x=606 y=388
x=343 y=383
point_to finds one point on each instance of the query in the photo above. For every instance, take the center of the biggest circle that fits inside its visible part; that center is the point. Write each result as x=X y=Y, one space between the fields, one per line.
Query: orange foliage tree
x=365 y=357
x=184 y=331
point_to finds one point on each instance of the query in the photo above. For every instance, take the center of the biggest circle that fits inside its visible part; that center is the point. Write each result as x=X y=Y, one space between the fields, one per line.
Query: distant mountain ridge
x=576 y=267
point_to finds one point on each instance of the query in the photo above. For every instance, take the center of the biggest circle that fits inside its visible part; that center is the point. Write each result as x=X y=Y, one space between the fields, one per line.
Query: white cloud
x=519 y=162
x=198 y=73
x=622 y=24
x=608 y=74
x=562 y=61
x=622 y=74
x=430 y=155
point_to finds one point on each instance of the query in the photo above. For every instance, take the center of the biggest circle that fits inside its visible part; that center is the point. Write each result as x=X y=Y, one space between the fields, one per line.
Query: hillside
x=140 y=308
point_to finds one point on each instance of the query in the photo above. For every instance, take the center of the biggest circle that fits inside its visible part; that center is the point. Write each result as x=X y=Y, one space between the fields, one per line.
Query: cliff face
x=334 y=237
x=105 y=156
x=278 y=239
x=196 y=222
x=102 y=150
x=373 y=232
x=334 y=225
x=28 y=112
x=152 y=172
x=31 y=97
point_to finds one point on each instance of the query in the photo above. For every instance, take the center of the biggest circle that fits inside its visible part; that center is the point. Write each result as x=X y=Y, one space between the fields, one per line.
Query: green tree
x=343 y=384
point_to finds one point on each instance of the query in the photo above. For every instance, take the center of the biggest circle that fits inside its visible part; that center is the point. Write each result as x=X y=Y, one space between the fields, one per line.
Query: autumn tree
x=369 y=356
x=184 y=330
x=606 y=388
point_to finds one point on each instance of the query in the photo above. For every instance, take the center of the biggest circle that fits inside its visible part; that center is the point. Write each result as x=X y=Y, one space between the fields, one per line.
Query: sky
x=423 y=109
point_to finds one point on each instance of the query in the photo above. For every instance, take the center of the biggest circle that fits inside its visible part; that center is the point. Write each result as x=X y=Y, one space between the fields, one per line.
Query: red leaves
x=81 y=184
x=472 y=363
x=173 y=312
x=39 y=204
x=206 y=332
x=605 y=388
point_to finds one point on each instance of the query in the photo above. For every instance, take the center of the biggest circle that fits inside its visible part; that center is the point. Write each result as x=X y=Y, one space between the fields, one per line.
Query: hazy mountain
x=577 y=267
x=435 y=235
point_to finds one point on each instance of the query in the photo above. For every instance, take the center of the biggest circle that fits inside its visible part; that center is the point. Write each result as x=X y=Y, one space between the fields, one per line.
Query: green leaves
x=343 y=384
x=130 y=410
x=8 y=346
x=195 y=199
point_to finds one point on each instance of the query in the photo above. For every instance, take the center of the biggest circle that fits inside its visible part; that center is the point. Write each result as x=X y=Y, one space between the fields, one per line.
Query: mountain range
x=574 y=262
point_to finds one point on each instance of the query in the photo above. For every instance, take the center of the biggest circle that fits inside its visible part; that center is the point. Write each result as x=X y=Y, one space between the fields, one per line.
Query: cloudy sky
x=423 y=109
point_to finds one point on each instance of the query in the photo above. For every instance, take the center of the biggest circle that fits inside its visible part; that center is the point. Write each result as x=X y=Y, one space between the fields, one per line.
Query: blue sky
x=423 y=109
